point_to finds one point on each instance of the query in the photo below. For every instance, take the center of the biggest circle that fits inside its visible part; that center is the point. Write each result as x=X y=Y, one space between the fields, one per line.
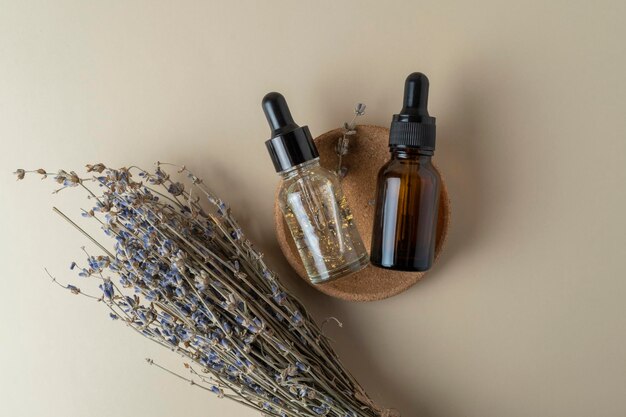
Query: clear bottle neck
x=298 y=169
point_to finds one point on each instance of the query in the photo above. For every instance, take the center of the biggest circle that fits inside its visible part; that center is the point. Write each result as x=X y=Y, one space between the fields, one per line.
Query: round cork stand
x=368 y=152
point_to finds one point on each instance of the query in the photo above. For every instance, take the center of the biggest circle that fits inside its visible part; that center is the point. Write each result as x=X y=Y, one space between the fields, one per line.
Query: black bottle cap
x=290 y=144
x=413 y=127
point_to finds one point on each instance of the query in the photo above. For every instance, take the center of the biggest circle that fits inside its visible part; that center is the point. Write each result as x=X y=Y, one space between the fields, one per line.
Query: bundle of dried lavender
x=189 y=280
x=343 y=143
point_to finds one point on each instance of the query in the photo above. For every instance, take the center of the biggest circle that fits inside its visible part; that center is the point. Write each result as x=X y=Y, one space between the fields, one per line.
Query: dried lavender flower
x=183 y=274
x=20 y=173
x=343 y=143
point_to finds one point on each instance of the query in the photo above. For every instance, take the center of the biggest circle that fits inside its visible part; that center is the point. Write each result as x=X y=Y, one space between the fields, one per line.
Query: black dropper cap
x=290 y=144
x=413 y=127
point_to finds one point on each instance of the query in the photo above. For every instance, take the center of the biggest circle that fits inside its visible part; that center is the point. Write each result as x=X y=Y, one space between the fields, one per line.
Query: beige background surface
x=524 y=314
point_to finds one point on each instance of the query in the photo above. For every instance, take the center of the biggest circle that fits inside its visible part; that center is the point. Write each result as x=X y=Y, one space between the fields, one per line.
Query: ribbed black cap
x=413 y=127
x=290 y=144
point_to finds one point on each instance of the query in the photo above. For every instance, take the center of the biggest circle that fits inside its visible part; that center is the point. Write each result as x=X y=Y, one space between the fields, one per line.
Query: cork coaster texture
x=368 y=152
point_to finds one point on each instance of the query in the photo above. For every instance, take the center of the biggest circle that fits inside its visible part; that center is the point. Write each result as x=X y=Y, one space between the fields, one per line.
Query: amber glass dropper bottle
x=408 y=187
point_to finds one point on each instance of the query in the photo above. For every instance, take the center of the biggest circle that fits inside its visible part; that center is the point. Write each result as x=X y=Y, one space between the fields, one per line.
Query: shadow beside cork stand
x=393 y=200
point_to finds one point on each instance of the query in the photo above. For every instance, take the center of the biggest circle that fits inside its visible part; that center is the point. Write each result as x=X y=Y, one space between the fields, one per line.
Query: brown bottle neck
x=410 y=153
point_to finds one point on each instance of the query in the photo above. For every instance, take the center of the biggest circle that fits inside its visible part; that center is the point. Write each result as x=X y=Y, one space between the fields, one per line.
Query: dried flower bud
x=99 y=168
x=73 y=289
x=20 y=174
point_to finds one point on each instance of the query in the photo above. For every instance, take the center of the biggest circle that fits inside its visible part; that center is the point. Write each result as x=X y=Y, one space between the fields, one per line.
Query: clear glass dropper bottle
x=311 y=199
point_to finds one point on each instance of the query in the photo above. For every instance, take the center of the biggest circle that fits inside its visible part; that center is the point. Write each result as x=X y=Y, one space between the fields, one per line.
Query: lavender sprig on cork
x=343 y=143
